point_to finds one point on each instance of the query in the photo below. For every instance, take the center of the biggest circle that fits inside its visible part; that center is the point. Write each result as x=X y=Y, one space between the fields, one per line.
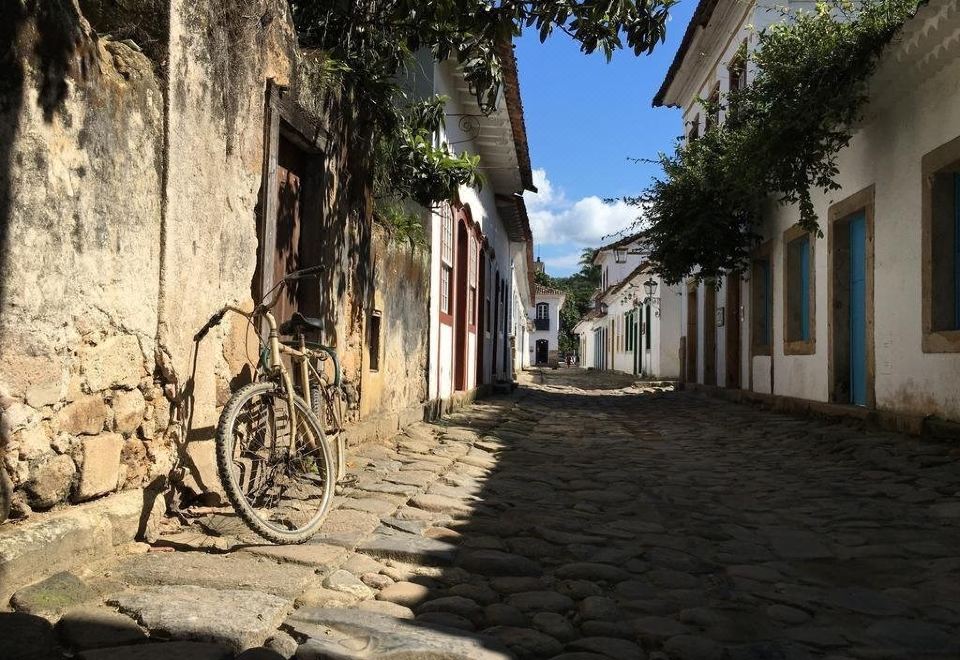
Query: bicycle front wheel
x=278 y=475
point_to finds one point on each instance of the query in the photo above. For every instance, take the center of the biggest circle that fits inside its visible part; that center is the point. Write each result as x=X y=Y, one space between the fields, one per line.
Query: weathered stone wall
x=401 y=290
x=80 y=220
x=130 y=182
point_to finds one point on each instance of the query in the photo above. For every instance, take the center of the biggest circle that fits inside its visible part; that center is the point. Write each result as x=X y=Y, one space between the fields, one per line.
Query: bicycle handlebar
x=214 y=320
x=304 y=272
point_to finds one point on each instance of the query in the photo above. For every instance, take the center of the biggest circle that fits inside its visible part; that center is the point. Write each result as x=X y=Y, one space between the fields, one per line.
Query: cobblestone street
x=579 y=518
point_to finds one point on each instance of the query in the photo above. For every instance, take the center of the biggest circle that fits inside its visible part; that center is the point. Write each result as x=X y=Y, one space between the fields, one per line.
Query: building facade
x=865 y=316
x=634 y=327
x=544 y=345
x=481 y=266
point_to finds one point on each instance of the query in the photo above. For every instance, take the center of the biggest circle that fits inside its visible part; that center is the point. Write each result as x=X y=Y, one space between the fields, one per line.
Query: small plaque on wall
x=720 y=316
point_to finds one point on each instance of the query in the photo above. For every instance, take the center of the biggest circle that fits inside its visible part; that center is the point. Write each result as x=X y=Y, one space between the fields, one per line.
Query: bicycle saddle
x=299 y=322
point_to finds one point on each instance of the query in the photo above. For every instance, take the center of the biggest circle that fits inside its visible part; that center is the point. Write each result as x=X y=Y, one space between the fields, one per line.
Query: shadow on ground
x=579 y=519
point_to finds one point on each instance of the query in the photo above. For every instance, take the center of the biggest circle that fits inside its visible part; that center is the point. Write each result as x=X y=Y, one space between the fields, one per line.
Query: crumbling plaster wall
x=80 y=218
x=401 y=290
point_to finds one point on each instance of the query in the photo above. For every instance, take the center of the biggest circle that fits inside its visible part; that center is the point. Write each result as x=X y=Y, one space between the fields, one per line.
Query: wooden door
x=732 y=322
x=692 y=309
x=291 y=173
x=710 y=334
x=460 y=319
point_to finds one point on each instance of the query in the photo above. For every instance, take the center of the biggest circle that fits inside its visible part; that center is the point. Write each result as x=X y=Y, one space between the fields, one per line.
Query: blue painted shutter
x=858 y=310
x=805 y=289
x=767 y=306
x=956 y=251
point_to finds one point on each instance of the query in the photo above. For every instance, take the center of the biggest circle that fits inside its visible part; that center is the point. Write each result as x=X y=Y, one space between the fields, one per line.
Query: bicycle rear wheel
x=279 y=477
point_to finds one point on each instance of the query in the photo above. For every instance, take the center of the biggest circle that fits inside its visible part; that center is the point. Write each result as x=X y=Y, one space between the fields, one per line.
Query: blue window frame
x=956 y=251
x=797 y=289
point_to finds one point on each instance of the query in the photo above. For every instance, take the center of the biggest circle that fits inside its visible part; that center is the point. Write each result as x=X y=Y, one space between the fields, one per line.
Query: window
x=798 y=286
x=373 y=341
x=446 y=260
x=646 y=327
x=941 y=249
x=737 y=69
x=472 y=280
x=762 y=302
x=543 y=311
x=694 y=131
x=713 y=107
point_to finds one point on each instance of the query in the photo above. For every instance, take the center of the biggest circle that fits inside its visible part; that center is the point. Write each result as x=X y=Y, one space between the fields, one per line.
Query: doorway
x=710 y=334
x=692 y=309
x=851 y=295
x=542 y=351
x=732 y=336
x=460 y=322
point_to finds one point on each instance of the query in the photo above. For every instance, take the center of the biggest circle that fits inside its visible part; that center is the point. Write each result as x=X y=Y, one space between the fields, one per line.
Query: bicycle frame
x=276 y=350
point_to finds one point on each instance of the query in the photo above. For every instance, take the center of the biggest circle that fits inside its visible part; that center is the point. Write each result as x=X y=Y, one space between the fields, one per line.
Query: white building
x=481 y=245
x=635 y=324
x=544 y=345
x=868 y=315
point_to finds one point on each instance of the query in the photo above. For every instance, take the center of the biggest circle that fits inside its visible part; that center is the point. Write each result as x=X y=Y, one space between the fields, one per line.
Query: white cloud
x=562 y=262
x=555 y=219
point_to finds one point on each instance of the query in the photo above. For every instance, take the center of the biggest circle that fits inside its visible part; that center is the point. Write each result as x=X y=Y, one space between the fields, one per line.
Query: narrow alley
x=580 y=517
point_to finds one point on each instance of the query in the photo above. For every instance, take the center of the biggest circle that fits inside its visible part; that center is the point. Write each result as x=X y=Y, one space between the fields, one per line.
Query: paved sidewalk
x=580 y=518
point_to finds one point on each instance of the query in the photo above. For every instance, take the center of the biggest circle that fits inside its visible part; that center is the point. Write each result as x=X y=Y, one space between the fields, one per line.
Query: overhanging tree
x=370 y=45
x=779 y=143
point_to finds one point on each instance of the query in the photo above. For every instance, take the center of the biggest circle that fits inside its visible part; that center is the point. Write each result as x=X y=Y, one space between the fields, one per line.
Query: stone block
x=101 y=465
x=54 y=595
x=114 y=362
x=128 y=411
x=31 y=443
x=51 y=482
x=16 y=416
x=45 y=394
x=201 y=465
x=85 y=416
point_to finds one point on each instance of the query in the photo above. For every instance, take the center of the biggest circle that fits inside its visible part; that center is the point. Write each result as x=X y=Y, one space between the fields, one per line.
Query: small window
x=762 y=306
x=945 y=252
x=373 y=341
x=713 y=107
x=737 y=69
x=543 y=311
x=646 y=328
x=694 y=131
x=940 y=263
x=798 y=291
x=446 y=259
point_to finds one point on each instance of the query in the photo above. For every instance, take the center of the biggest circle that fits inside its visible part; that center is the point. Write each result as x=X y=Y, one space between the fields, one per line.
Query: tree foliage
x=779 y=142
x=375 y=43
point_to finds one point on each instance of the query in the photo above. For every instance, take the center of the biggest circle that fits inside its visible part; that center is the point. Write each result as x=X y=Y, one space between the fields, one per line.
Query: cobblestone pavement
x=578 y=519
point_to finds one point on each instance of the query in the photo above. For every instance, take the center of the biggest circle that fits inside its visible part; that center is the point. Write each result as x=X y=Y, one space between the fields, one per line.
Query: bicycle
x=273 y=457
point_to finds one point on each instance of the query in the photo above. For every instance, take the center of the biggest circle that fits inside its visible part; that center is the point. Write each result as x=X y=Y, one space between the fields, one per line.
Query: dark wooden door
x=291 y=174
x=460 y=320
x=710 y=334
x=732 y=322
x=692 y=334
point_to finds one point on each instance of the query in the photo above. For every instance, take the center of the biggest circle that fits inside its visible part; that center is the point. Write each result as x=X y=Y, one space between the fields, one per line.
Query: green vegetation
x=779 y=142
x=374 y=44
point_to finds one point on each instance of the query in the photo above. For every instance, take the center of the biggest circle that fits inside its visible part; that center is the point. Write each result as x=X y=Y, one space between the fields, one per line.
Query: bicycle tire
x=6 y=494
x=225 y=441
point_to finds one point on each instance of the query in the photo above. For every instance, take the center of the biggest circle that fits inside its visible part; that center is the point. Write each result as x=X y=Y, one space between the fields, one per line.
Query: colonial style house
x=634 y=326
x=866 y=316
x=481 y=261
x=544 y=345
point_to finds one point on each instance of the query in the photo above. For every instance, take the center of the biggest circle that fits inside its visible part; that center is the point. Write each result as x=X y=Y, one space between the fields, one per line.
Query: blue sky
x=584 y=118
